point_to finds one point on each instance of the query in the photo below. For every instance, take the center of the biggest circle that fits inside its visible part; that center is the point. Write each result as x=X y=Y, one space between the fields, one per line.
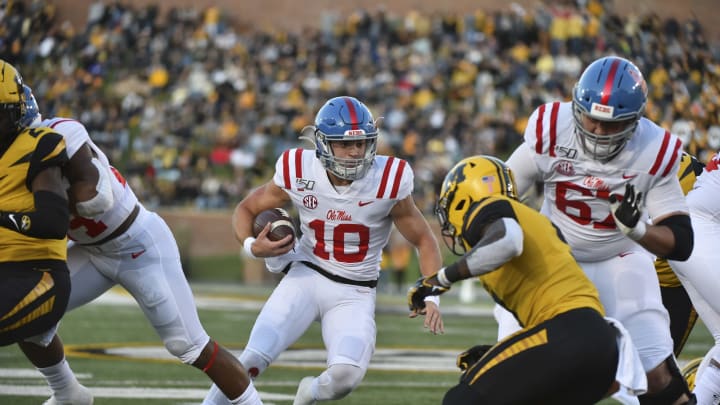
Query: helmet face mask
x=469 y=181
x=345 y=119
x=611 y=93
x=12 y=103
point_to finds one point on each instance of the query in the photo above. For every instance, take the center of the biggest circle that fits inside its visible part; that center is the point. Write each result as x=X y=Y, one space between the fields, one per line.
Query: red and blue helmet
x=610 y=89
x=345 y=119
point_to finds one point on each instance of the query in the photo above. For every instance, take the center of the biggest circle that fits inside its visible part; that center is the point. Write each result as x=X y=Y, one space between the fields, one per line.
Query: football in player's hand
x=281 y=224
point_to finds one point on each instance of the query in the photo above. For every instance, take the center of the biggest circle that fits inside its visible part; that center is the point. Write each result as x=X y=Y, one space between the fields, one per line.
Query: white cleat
x=304 y=392
x=80 y=395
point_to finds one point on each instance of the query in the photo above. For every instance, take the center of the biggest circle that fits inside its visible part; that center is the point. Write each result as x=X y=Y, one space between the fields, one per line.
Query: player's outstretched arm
x=414 y=227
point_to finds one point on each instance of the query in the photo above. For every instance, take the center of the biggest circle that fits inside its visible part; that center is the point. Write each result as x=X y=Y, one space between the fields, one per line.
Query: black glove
x=422 y=288
x=627 y=213
x=471 y=356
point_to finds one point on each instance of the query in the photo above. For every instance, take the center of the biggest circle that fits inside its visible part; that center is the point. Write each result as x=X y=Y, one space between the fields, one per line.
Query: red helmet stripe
x=607 y=89
x=353 y=113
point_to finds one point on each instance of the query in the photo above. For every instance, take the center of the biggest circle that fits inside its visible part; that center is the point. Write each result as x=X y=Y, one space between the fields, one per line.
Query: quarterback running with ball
x=347 y=198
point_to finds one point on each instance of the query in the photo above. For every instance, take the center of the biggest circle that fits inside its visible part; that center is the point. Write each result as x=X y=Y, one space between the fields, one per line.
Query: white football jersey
x=703 y=198
x=577 y=187
x=344 y=231
x=88 y=230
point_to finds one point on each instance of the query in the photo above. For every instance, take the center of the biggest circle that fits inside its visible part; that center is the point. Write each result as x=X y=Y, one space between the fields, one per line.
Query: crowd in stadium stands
x=195 y=107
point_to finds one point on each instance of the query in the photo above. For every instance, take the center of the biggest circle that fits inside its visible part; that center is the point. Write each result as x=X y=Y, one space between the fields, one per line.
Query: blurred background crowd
x=194 y=108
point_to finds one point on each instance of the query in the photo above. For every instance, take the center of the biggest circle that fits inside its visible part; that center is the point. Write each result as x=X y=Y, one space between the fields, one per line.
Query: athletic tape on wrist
x=638 y=231
x=247 y=246
x=434 y=299
x=442 y=278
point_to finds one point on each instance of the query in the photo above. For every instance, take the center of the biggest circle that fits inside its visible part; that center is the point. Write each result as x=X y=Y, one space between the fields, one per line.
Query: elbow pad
x=103 y=200
x=50 y=220
x=681 y=228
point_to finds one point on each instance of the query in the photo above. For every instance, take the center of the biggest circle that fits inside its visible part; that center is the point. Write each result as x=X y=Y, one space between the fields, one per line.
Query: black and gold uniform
x=34 y=216
x=566 y=352
x=674 y=297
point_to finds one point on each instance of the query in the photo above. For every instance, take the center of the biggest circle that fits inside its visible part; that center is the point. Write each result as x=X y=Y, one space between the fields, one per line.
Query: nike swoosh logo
x=625 y=176
x=14 y=221
x=364 y=203
x=623 y=254
x=137 y=254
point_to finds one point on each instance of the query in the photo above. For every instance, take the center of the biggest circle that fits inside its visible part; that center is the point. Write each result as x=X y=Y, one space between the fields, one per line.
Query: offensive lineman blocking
x=603 y=166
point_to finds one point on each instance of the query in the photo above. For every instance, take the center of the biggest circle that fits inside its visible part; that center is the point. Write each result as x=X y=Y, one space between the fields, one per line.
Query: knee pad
x=338 y=381
x=674 y=390
x=255 y=363
x=187 y=352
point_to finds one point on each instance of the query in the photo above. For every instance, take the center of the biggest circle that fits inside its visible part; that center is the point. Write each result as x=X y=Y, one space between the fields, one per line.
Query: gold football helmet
x=12 y=102
x=469 y=181
x=689 y=372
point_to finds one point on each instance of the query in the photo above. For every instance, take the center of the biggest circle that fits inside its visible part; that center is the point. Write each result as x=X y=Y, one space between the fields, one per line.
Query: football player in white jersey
x=115 y=240
x=347 y=199
x=604 y=167
x=699 y=273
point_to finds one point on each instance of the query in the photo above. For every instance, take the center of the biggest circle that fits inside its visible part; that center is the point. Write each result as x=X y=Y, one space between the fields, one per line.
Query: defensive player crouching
x=567 y=353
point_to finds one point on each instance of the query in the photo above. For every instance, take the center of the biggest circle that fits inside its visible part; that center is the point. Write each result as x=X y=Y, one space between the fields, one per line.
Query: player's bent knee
x=672 y=392
x=43 y=339
x=187 y=352
x=339 y=380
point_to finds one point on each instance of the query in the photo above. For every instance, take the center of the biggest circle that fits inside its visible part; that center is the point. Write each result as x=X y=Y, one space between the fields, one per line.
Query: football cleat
x=304 y=392
x=80 y=395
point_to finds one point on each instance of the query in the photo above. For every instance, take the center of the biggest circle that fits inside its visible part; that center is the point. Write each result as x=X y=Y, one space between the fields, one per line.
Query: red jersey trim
x=539 y=130
x=553 y=128
x=661 y=154
x=674 y=157
x=58 y=122
x=286 y=169
x=385 y=177
x=398 y=177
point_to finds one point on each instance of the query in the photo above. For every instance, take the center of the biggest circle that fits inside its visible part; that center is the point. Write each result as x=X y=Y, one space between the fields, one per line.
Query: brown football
x=282 y=224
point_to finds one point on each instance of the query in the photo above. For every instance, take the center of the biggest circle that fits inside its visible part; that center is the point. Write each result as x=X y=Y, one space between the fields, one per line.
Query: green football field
x=118 y=356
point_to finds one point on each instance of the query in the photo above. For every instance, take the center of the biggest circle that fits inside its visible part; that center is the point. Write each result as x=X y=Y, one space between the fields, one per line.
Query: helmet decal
x=469 y=181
